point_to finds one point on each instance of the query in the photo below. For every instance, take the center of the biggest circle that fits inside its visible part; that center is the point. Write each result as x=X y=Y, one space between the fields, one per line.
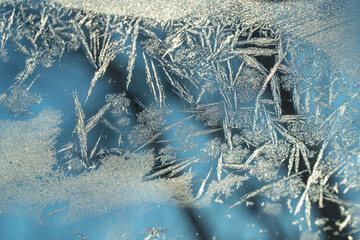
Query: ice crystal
x=225 y=187
x=37 y=138
x=19 y=100
x=155 y=233
x=211 y=116
x=265 y=170
x=118 y=102
x=272 y=208
x=260 y=96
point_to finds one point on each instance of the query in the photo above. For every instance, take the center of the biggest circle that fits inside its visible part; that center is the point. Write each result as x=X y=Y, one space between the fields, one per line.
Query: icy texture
x=329 y=24
x=29 y=179
x=257 y=93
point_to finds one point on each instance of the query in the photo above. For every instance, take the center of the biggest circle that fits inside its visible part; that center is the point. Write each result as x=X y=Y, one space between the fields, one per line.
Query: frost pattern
x=270 y=106
x=19 y=100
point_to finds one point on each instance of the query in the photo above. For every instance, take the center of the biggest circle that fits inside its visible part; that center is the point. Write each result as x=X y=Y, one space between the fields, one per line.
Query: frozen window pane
x=161 y=119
